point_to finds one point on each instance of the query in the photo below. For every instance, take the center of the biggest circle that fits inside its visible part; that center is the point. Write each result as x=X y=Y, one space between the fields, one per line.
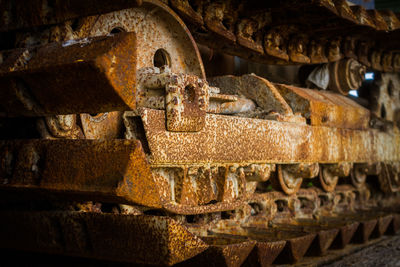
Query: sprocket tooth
x=365 y=230
x=229 y=252
x=264 y=253
x=346 y=233
x=382 y=225
x=322 y=242
x=295 y=249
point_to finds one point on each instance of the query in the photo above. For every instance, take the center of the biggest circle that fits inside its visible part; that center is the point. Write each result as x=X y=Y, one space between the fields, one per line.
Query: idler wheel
x=286 y=181
x=346 y=75
x=327 y=179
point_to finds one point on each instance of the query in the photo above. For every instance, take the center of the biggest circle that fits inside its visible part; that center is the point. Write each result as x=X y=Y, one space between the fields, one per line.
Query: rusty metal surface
x=264 y=253
x=114 y=170
x=222 y=252
x=265 y=32
x=226 y=134
x=368 y=252
x=123 y=238
x=102 y=125
x=90 y=75
x=365 y=230
x=90 y=233
x=156 y=27
x=346 y=233
x=324 y=240
x=385 y=98
x=260 y=90
x=325 y=108
x=346 y=75
x=186 y=103
x=382 y=225
x=17 y=14
x=226 y=190
x=295 y=248
x=258 y=31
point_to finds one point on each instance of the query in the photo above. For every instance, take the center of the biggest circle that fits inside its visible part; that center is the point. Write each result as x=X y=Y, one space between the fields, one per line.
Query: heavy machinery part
x=102 y=125
x=257 y=31
x=327 y=180
x=346 y=75
x=318 y=107
x=185 y=182
x=76 y=167
x=213 y=177
x=288 y=182
x=359 y=175
x=210 y=172
x=164 y=42
x=162 y=37
x=263 y=92
x=59 y=126
x=329 y=174
x=290 y=177
x=55 y=78
x=171 y=45
x=389 y=180
x=319 y=144
x=325 y=108
x=187 y=115
x=263 y=31
x=51 y=166
x=144 y=239
x=184 y=97
x=385 y=98
x=17 y=15
x=252 y=28
x=82 y=234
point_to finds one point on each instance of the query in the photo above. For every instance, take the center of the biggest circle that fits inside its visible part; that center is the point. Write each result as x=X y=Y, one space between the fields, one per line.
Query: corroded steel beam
x=90 y=75
x=233 y=139
x=111 y=171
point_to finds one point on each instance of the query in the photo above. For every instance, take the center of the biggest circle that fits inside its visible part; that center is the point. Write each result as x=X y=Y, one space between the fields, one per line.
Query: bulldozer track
x=117 y=145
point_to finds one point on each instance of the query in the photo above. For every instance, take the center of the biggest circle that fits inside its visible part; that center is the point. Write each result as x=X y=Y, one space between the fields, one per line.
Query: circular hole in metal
x=281 y=205
x=390 y=88
x=97 y=117
x=324 y=200
x=161 y=58
x=117 y=30
x=383 y=112
x=190 y=93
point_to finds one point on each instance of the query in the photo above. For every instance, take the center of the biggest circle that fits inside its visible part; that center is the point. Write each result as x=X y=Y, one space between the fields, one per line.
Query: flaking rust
x=66 y=78
x=115 y=146
x=323 y=144
x=128 y=238
x=37 y=13
x=76 y=167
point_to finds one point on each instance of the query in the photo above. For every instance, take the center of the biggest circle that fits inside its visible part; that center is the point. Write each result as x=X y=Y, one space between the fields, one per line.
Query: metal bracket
x=186 y=103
